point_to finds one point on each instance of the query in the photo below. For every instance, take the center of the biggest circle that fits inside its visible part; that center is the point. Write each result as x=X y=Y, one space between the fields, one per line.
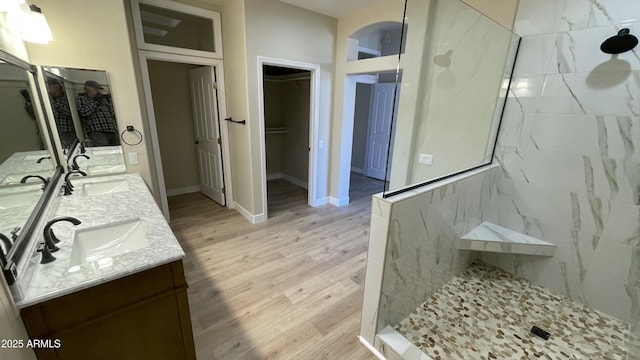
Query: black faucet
x=43 y=158
x=50 y=238
x=14 y=233
x=46 y=254
x=68 y=187
x=75 y=164
x=44 y=181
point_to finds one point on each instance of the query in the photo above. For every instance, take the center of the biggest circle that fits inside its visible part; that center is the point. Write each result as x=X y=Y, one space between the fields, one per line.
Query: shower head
x=619 y=43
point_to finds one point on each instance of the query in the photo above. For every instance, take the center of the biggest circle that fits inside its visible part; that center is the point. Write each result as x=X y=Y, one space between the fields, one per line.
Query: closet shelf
x=276 y=130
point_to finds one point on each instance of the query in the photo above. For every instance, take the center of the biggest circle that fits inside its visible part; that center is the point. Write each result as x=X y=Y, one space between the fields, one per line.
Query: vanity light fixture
x=10 y=5
x=28 y=21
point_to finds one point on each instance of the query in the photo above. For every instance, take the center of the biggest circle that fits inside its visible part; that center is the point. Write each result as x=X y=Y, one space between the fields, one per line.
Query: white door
x=380 y=118
x=204 y=95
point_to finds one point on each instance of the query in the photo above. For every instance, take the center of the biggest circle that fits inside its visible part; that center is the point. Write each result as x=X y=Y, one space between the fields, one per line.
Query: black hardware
x=236 y=121
x=44 y=181
x=50 y=238
x=46 y=254
x=68 y=187
x=197 y=142
x=43 y=158
x=14 y=233
x=75 y=161
x=539 y=332
x=7 y=244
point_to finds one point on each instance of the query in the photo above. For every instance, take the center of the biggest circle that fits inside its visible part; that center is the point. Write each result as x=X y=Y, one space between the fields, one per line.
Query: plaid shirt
x=62 y=114
x=96 y=113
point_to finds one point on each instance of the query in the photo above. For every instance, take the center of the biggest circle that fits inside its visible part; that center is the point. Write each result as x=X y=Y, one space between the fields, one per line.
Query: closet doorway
x=185 y=104
x=288 y=109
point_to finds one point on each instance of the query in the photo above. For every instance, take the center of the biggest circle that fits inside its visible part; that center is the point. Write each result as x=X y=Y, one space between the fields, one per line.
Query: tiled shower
x=566 y=170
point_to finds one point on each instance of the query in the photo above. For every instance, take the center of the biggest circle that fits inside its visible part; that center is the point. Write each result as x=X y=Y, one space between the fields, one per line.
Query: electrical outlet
x=425 y=159
x=133 y=158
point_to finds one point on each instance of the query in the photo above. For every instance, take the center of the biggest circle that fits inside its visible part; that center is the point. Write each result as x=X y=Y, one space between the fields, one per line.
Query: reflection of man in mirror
x=97 y=115
x=61 y=112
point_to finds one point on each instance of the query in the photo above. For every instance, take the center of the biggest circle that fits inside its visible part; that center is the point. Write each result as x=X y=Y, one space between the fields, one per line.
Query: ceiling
x=334 y=8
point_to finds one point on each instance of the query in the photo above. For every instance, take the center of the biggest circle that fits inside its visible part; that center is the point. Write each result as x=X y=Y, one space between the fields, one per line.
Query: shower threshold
x=485 y=313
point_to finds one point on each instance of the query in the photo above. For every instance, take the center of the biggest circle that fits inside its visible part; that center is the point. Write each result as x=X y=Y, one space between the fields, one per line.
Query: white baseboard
x=183 y=190
x=320 y=202
x=254 y=219
x=274 y=176
x=338 y=202
x=295 y=181
x=357 y=170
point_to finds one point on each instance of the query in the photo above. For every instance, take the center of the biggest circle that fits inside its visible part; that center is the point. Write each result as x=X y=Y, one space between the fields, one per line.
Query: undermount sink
x=105 y=169
x=104 y=187
x=34 y=157
x=17 y=199
x=15 y=178
x=100 y=244
x=105 y=151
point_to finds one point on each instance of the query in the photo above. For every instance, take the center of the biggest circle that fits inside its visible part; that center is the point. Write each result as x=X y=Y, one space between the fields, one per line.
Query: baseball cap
x=93 y=84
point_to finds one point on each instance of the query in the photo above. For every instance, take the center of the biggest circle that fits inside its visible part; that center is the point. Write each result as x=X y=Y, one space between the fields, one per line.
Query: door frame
x=145 y=55
x=314 y=115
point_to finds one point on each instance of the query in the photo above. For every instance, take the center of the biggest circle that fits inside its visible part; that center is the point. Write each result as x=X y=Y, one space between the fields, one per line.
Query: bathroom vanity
x=116 y=289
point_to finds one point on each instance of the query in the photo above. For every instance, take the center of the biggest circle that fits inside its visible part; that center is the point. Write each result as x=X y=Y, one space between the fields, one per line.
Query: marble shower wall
x=569 y=147
x=422 y=240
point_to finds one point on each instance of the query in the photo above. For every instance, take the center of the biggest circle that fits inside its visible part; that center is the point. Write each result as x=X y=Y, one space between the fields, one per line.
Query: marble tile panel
x=537 y=17
x=528 y=86
x=371 y=300
x=579 y=52
x=567 y=133
x=585 y=93
x=623 y=224
x=422 y=255
x=580 y=14
x=378 y=233
x=537 y=56
x=605 y=286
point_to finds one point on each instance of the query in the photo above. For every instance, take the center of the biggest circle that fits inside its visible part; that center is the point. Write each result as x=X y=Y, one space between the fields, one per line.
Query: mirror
x=83 y=110
x=27 y=161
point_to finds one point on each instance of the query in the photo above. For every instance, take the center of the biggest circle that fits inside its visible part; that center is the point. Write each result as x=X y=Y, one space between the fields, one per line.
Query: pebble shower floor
x=486 y=313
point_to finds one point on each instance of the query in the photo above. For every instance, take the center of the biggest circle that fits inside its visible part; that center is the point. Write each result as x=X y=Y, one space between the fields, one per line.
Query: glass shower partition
x=454 y=77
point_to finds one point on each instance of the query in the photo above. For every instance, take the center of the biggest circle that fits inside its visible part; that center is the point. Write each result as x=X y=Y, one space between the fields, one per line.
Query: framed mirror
x=83 y=110
x=28 y=161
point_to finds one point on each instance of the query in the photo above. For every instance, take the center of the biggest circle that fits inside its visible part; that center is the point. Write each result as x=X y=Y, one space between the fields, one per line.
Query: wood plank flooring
x=289 y=288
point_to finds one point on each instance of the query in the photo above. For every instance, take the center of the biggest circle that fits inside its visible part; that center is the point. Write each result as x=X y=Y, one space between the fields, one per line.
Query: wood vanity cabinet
x=140 y=316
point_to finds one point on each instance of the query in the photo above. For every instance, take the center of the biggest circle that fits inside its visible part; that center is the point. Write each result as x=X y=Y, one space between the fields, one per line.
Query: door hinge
x=219 y=141
x=224 y=190
x=215 y=85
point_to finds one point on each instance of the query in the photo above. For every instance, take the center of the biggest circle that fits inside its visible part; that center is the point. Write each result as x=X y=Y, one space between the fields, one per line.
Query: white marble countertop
x=25 y=163
x=103 y=160
x=58 y=278
x=15 y=215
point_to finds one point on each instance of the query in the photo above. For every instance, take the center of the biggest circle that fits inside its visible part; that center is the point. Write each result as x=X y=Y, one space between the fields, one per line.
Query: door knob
x=197 y=142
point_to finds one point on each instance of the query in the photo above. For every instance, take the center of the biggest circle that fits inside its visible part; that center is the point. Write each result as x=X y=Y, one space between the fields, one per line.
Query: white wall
x=82 y=39
x=174 y=119
x=278 y=30
x=237 y=92
x=345 y=87
x=11 y=326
